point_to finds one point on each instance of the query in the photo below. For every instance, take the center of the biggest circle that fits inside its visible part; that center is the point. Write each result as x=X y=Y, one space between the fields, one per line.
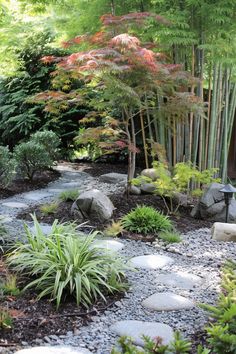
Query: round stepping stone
x=36 y=195
x=180 y=279
x=54 y=350
x=56 y=190
x=109 y=245
x=45 y=228
x=152 y=261
x=136 y=329
x=15 y=205
x=71 y=185
x=5 y=219
x=167 y=302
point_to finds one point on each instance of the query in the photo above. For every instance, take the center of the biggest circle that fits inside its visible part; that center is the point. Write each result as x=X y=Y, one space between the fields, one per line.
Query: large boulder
x=223 y=232
x=212 y=205
x=113 y=177
x=212 y=195
x=92 y=204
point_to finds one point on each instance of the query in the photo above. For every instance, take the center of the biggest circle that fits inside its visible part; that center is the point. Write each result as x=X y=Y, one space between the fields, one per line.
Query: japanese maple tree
x=126 y=75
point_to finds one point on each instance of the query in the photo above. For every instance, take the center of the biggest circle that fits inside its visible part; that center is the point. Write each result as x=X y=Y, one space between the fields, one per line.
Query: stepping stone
x=167 y=302
x=71 y=185
x=109 y=245
x=136 y=329
x=180 y=279
x=15 y=205
x=36 y=195
x=152 y=261
x=56 y=190
x=45 y=228
x=54 y=350
x=5 y=219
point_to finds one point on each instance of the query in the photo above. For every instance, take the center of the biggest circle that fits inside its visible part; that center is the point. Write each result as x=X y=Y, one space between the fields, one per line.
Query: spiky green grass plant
x=170 y=236
x=69 y=195
x=48 y=209
x=65 y=263
x=145 y=220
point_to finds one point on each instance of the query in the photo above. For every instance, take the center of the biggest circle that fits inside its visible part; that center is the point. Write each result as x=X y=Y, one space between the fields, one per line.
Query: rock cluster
x=212 y=207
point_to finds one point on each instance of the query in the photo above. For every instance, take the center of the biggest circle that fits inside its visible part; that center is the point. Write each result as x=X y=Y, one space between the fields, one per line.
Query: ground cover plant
x=66 y=263
x=49 y=208
x=170 y=236
x=178 y=346
x=69 y=195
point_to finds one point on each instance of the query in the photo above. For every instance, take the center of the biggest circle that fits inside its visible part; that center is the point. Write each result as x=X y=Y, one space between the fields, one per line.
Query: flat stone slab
x=136 y=329
x=152 y=261
x=71 y=185
x=5 y=219
x=45 y=228
x=36 y=195
x=113 y=177
x=54 y=350
x=57 y=190
x=167 y=302
x=180 y=279
x=15 y=205
x=112 y=245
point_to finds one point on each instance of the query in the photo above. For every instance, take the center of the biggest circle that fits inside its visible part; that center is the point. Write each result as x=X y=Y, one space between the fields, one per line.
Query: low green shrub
x=32 y=158
x=145 y=220
x=64 y=263
x=170 y=236
x=49 y=140
x=7 y=166
x=50 y=208
x=69 y=196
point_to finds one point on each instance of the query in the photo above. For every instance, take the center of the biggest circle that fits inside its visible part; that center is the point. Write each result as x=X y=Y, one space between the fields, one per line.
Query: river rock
x=150 y=173
x=148 y=188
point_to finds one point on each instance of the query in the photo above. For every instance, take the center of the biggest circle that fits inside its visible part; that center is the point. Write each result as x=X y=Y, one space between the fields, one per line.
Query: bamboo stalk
x=213 y=117
x=144 y=139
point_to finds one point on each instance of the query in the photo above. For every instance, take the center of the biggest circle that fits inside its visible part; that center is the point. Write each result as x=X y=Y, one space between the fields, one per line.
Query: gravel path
x=197 y=254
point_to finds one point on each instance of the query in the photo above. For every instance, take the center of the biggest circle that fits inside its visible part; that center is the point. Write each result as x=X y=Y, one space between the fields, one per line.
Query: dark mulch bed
x=23 y=185
x=183 y=221
x=32 y=318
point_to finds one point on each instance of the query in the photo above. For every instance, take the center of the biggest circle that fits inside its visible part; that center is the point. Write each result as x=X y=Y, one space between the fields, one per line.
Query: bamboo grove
x=197 y=43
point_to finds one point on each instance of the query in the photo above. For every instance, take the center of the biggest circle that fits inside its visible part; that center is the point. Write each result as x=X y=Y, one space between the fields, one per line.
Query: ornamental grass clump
x=146 y=220
x=65 y=263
